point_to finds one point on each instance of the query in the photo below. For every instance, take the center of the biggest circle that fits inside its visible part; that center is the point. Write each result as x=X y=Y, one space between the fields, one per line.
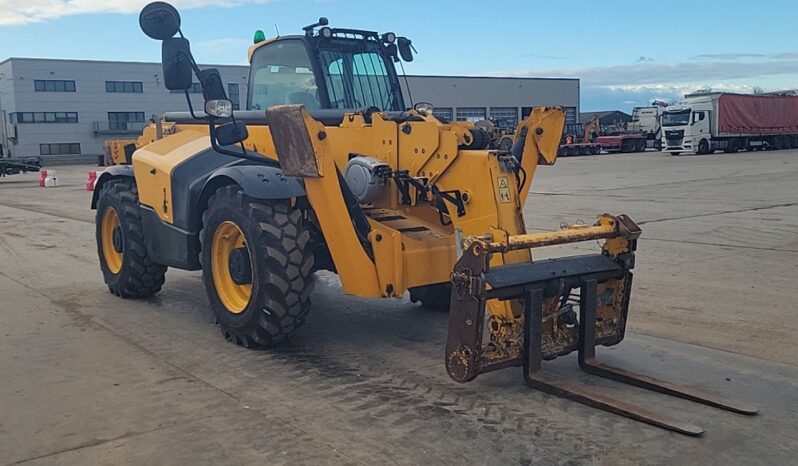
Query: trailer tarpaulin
x=757 y=114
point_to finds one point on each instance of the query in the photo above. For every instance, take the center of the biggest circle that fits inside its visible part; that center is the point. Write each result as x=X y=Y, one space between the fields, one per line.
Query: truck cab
x=686 y=127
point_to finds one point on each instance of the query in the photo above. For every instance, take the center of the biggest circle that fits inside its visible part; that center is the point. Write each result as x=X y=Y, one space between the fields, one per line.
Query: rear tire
x=257 y=267
x=127 y=268
x=627 y=146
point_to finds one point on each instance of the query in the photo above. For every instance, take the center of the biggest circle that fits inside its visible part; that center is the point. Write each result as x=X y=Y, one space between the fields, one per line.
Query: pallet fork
x=543 y=293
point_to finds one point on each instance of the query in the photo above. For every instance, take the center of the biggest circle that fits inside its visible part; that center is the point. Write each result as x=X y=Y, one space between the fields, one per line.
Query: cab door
x=700 y=124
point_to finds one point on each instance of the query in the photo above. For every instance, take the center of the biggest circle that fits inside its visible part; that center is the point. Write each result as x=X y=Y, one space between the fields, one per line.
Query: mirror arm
x=191 y=108
x=233 y=118
x=241 y=155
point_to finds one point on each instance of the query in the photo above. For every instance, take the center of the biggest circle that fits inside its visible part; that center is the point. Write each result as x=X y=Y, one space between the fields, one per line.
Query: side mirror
x=405 y=49
x=176 y=59
x=230 y=133
x=212 y=85
x=159 y=20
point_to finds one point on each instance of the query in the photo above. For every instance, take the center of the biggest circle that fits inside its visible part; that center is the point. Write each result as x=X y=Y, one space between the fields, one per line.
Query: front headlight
x=424 y=108
x=219 y=108
x=389 y=38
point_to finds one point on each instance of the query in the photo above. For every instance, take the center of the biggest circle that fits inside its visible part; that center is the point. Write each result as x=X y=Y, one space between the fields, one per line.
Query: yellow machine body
x=413 y=248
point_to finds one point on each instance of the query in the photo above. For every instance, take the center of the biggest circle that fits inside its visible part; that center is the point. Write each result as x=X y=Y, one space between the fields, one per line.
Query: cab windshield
x=282 y=74
x=681 y=118
x=360 y=78
x=355 y=76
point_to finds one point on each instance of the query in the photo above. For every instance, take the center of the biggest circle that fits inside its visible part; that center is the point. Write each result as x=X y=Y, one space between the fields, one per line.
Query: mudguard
x=114 y=171
x=258 y=181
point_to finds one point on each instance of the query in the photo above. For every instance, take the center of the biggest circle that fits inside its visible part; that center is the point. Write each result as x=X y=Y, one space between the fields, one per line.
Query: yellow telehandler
x=327 y=169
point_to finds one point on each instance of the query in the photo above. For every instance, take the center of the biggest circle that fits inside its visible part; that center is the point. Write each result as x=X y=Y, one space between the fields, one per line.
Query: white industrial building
x=67 y=108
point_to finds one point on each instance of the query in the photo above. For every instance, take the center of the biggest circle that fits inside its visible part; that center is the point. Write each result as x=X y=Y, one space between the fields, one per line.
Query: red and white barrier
x=51 y=180
x=42 y=177
x=91 y=181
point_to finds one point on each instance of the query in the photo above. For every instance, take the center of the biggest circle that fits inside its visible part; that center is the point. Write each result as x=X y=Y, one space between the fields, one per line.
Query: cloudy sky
x=625 y=52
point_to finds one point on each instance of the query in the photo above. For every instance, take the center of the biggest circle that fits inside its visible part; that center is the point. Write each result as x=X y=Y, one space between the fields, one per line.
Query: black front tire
x=703 y=147
x=281 y=266
x=139 y=276
x=433 y=297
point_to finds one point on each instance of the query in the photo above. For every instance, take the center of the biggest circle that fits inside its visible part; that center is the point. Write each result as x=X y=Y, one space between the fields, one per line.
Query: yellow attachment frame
x=607 y=227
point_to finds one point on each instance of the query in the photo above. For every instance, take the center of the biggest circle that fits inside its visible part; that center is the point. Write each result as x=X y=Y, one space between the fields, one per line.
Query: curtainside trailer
x=705 y=123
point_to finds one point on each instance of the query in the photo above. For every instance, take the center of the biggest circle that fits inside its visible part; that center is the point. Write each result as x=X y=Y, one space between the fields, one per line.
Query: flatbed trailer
x=576 y=139
x=623 y=143
x=15 y=165
x=579 y=148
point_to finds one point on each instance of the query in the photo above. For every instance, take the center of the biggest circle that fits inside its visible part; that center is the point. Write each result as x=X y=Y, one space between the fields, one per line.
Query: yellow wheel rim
x=227 y=238
x=113 y=255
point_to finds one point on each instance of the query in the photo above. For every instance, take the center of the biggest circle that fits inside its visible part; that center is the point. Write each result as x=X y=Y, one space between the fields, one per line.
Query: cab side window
x=698 y=116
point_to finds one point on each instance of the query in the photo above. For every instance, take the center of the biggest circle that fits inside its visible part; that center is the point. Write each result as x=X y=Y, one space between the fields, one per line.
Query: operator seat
x=303 y=98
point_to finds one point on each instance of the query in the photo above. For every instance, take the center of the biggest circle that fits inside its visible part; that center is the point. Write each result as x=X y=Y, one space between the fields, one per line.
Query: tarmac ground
x=88 y=378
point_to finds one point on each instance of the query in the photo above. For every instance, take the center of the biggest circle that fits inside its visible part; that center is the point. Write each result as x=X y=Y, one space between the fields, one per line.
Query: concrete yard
x=88 y=378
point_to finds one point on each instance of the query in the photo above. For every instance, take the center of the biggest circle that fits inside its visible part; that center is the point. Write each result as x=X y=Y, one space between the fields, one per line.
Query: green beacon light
x=259 y=37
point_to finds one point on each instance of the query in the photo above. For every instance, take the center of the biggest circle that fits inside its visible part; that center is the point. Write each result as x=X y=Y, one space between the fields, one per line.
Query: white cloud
x=666 y=74
x=680 y=89
x=16 y=12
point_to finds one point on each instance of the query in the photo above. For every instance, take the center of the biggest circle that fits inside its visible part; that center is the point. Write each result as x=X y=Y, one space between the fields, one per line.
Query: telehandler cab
x=326 y=169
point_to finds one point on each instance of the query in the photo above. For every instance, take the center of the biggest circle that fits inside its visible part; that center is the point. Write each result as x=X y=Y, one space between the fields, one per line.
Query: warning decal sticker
x=504 y=190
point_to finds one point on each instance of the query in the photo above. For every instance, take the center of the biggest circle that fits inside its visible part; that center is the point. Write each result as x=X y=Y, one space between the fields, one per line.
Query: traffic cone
x=42 y=177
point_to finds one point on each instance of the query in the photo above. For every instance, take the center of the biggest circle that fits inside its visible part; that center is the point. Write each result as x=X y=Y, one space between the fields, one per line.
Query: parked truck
x=704 y=123
x=641 y=133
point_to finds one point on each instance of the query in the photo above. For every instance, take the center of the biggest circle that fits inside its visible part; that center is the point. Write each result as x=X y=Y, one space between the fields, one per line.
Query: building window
x=59 y=149
x=470 y=113
x=233 y=90
x=44 y=117
x=196 y=88
x=505 y=117
x=128 y=87
x=570 y=115
x=125 y=121
x=525 y=112
x=53 y=85
x=445 y=114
